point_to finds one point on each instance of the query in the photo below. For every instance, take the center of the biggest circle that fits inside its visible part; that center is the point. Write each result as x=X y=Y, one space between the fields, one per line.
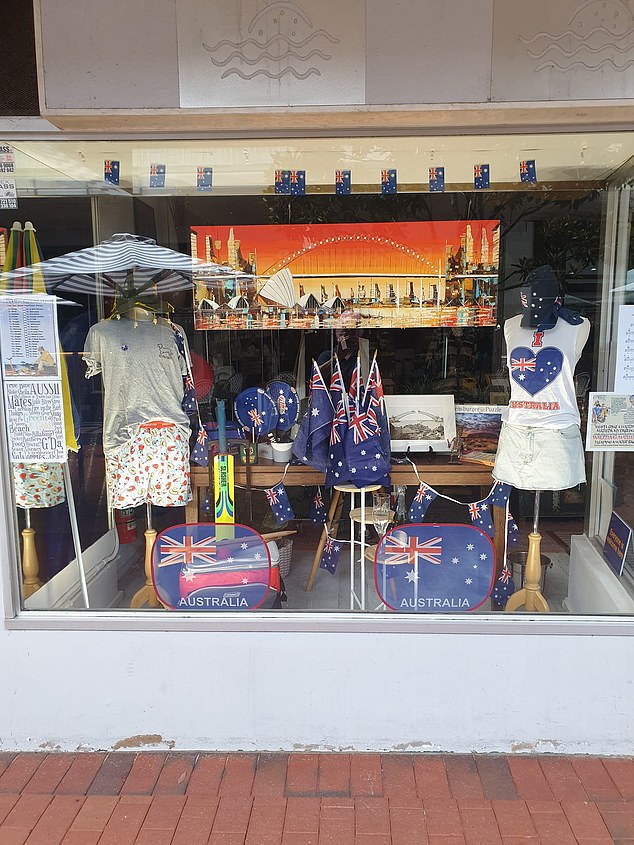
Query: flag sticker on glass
x=157 y=176
x=480 y=176
x=298 y=183
x=388 y=181
x=436 y=179
x=527 y=170
x=203 y=178
x=111 y=171
x=282 y=181
x=7 y=159
x=343 y=181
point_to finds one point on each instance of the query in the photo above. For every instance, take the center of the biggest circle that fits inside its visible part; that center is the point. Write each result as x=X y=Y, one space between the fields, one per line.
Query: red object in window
x=203 y=376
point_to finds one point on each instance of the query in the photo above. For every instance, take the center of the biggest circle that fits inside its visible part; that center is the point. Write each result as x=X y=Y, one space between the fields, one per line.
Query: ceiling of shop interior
x=76 y=167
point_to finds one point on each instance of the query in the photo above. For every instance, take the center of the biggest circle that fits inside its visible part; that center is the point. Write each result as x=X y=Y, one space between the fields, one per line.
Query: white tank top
x=541 y=366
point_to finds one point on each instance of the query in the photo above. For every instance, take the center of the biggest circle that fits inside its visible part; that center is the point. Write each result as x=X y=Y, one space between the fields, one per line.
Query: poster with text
x=610 y=425
x=624 y=359
x=370 y=275
x=31 y=377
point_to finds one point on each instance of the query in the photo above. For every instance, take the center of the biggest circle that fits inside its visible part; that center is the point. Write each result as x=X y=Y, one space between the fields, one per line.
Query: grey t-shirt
x=142 y=374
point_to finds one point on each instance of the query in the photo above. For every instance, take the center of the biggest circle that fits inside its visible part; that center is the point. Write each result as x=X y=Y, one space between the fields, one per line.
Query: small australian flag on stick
x=282 y=181
x=298 y=183
x=157 y=176
x=527 y=170
x=342 y=181
x=480 y=176
x=111 y=171
x=388 y=181
x=436 y=179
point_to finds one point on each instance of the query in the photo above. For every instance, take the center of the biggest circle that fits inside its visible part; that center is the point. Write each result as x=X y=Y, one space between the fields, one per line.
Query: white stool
x=357 y=516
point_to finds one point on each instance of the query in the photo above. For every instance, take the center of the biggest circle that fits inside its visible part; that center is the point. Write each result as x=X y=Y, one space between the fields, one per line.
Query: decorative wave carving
x=312 y=71
x=599 y=34
x=281 y=27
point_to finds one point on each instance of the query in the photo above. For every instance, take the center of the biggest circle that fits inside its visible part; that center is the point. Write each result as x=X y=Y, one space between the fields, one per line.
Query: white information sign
x=610 y=423
x=624 y=372
x=7 y=161
x=32 y=379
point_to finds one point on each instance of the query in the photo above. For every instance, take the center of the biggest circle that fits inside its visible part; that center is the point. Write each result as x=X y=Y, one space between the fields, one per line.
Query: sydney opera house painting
x=373 y=275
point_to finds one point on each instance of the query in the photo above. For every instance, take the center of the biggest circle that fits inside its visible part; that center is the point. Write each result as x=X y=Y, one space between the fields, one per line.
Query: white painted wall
x=316 y=691
x=336 y=691
x=199 y=54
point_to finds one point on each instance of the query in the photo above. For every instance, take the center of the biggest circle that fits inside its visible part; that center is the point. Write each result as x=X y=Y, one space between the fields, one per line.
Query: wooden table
x=435 y=471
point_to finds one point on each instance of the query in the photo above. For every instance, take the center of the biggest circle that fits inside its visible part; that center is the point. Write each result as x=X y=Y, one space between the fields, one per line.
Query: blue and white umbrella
x=123 y=265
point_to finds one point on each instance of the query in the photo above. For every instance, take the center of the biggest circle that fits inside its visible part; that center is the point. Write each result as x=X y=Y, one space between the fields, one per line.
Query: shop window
x=421 y=288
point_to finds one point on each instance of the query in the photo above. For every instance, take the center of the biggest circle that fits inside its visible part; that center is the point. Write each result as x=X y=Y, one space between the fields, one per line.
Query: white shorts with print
x=152 y=467
x=38 y=485
x=532 y=458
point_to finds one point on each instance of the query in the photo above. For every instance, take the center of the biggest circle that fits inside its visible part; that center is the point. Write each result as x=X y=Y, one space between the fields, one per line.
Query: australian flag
x=342 y=181
x=157 y=176
x=436 y=179
x=282 y=181
x=280 y=504
x=366 y=461
x=388 y=181
x=317 y=512
x=481 y=516
x=311 y=443
x=336 y=466
x=374 y=401
x=527 y=170
x=111 y=171
x=512 y=531
x=480 y=512
x=356 y=384
x=499 y=494
x=425 y=495
x=203 y=178
x=504 y=588
x=330 y=555
x=480 y=176
x=298 y=182
x=189 y=404
x=337 y=387
x=200 y=452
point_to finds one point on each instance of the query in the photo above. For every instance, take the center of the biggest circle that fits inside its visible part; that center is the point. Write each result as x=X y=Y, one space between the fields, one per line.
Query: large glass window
x=167 y=365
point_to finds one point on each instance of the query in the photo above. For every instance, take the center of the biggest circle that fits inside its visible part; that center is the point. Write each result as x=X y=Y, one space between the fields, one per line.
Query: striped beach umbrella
x=124 y=266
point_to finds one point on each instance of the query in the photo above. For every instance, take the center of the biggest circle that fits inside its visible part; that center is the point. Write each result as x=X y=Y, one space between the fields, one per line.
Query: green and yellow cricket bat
x=224 y=473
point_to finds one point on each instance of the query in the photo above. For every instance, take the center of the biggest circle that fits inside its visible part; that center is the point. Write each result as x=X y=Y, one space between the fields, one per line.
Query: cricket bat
x=224 y=473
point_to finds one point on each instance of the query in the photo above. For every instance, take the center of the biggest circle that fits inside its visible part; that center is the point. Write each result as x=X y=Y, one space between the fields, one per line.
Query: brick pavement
x=160 y=798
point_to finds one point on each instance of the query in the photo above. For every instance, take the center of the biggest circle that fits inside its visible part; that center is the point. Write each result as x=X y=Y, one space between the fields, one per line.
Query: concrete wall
x=192 y=53
x=267 y=691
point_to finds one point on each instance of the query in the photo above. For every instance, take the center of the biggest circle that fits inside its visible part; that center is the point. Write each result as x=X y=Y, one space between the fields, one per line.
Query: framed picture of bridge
x=421 y=423
x=382 y=275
